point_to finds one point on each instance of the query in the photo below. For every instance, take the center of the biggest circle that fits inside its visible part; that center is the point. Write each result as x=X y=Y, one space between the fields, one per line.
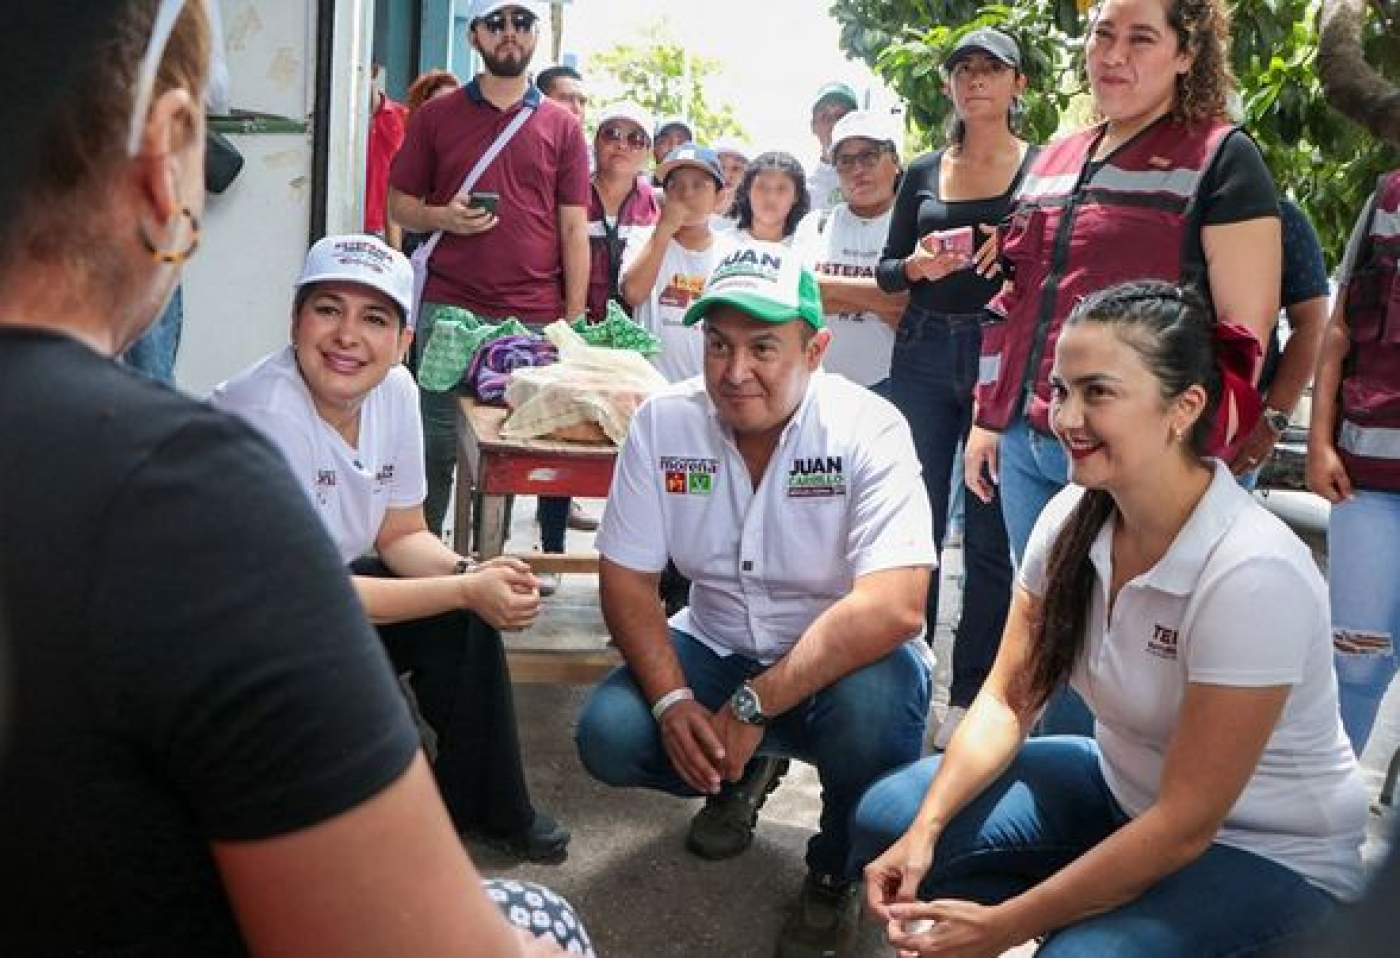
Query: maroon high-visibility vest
x=1368 y=434
x=1076 y=228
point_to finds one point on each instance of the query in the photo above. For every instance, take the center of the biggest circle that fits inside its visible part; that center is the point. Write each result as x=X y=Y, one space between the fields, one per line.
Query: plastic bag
x=590 y=386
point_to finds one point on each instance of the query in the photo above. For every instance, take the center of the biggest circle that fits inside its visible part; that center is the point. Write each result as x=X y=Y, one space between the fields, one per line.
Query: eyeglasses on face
x=865 y=159
x=635 y=139
x=522 y=20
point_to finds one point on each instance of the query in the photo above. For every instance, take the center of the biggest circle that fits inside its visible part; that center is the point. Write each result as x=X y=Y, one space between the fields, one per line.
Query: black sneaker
x=724 y=827
x=823 y=922
x=544 y=842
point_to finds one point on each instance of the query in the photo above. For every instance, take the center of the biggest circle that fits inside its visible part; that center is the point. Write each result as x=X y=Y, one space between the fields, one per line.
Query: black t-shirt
x=187 y=661
x=919 y=209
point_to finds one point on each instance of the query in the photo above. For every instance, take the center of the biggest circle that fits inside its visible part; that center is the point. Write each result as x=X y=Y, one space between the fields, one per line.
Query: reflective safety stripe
x=1369 y=442
x=987 y=368
x=1177 y=182
x=625 y=231
x=1386 y=224
x=1047 y=185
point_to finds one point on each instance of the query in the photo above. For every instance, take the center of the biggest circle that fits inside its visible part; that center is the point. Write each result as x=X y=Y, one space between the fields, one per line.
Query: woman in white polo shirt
x=343 y=410
x=1218 y=808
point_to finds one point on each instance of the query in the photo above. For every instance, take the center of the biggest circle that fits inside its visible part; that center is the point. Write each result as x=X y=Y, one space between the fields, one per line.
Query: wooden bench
x=568 y=644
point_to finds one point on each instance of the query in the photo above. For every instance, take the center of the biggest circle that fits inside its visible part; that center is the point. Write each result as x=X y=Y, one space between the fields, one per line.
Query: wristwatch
x=747 y=706
x=1276 y=420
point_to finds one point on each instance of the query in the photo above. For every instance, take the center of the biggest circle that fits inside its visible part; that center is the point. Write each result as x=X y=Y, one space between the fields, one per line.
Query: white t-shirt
x=842 y=498
x=846 y=245
x=678 y=284
x=743 y=237
x=351 y=488
x=1236 y=601
x=824 y=185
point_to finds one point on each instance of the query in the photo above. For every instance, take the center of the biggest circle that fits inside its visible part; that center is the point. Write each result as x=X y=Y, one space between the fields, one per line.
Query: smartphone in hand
x=960 y=240
x=484 y=201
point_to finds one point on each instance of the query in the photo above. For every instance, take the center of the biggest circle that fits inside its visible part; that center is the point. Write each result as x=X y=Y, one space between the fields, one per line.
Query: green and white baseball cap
x=765 y=280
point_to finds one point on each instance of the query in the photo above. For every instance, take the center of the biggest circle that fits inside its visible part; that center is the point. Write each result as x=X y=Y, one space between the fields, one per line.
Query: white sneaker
x=951 y=720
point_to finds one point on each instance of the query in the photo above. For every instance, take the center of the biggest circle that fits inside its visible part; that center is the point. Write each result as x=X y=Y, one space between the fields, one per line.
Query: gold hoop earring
x=171 y=257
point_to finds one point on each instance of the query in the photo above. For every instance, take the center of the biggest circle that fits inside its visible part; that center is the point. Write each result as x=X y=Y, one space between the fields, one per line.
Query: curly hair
x=783 y=163
x=427 y=86
x=1203 y=30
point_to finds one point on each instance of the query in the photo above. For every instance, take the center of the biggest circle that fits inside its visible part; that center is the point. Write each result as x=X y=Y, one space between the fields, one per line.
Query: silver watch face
x=1278 y=421
x=746 y=705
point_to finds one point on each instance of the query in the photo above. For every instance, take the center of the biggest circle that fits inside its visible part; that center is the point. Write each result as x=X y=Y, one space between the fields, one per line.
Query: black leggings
x=460 y=677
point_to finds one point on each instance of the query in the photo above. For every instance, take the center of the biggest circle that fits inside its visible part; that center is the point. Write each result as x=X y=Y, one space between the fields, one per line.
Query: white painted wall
x=238 y=289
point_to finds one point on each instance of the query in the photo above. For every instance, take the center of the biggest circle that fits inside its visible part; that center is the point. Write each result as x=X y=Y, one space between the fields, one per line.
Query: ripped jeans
x=1363 y=554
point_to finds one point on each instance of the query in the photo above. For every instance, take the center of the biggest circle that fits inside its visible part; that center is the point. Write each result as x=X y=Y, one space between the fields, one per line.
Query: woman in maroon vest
x=1354 y=460
x=1163 y=188
x=622 y=200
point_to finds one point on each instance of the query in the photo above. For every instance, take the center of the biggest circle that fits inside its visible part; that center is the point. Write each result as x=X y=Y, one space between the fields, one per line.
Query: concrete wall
x=238 y=288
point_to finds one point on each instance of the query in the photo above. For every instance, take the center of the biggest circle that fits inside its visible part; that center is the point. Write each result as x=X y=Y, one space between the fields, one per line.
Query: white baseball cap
x=364 y=260
x=864 y=125
x=484 y=8
x=629 y=111
x=733 y=147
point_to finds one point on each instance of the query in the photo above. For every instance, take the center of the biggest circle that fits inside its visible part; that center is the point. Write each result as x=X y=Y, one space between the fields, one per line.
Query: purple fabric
x=494 y=361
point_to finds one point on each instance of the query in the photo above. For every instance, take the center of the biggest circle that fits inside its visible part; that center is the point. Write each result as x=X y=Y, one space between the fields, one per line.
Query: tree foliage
x=659 y=74
x=1322 y=160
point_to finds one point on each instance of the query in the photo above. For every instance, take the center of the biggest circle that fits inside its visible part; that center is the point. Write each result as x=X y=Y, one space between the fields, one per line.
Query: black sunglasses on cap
x=522 y=20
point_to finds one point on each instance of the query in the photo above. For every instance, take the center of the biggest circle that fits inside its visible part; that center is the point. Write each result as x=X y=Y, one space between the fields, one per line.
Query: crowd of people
x=245 y=641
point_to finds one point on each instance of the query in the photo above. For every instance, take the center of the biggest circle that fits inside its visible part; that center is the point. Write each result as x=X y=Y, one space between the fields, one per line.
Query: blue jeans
x=932 y=374
x=1363 y=554
x=1051 y=806
x=1033 y=469
x=153 y=355
x=854 y=731
x=439 y=414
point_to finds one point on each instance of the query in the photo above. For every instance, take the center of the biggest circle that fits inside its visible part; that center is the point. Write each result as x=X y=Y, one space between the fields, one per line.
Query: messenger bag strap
x=424 y=253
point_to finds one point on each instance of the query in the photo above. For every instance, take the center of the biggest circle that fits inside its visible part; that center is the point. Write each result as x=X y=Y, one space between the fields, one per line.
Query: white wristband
x=660 y=707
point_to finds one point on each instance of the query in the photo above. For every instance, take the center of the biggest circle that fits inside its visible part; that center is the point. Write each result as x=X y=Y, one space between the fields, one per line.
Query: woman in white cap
x=964 y=188
x=342 y=409
x=622 y=200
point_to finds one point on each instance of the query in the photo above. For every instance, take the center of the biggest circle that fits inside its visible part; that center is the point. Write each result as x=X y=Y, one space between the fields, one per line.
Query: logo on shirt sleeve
x=816 y=477
x=689 y=477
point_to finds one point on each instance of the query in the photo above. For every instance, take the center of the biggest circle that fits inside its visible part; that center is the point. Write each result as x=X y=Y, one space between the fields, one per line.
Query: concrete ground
x=640 y=892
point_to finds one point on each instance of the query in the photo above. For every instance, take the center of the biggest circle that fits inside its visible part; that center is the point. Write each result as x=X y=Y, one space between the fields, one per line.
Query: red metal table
x=493 y=468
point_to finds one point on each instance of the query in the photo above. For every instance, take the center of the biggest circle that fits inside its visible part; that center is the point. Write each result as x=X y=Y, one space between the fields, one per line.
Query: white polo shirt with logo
x=842 y=497
x=350 y=487
x=1236 y=601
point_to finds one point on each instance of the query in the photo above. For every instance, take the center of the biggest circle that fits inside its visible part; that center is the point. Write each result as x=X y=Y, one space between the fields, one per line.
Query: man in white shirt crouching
x=792 y=501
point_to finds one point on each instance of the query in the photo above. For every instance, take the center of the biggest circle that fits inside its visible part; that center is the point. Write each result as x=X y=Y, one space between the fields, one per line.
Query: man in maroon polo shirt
x=529 y=257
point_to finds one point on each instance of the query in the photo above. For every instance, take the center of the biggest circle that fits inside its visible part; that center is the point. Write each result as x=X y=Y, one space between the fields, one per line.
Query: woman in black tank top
x=940 y=250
